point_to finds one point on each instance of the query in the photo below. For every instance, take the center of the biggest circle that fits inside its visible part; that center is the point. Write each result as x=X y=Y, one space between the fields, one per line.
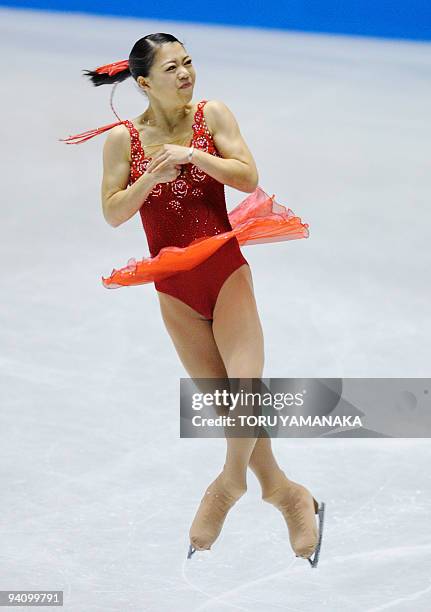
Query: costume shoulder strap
x=201 y=104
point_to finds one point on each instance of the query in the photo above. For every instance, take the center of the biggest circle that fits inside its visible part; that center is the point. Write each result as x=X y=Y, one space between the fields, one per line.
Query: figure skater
x=171 y=163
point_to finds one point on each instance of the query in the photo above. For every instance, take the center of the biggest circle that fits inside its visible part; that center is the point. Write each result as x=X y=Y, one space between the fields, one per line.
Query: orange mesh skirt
x=255 y=220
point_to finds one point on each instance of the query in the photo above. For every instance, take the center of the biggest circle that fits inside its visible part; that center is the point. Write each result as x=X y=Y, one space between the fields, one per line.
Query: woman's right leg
x=194 y=342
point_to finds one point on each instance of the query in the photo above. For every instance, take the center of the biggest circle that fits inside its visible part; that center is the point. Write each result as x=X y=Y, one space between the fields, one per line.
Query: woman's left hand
x=169 y=155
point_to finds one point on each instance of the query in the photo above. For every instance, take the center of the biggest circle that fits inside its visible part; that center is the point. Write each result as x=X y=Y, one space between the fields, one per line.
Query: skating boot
x=210 y=516
x=298 y=508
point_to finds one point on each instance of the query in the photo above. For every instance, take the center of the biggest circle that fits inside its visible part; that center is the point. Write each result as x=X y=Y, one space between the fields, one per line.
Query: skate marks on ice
x=408 y=599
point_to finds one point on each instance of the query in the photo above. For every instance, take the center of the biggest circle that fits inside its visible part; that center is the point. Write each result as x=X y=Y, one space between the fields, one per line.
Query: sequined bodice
x=191 y=206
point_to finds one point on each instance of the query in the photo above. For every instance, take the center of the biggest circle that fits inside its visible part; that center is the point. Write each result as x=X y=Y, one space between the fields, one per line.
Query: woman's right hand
x=166 y=174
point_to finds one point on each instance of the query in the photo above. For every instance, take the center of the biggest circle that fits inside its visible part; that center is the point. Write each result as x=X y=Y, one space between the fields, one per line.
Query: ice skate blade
x=314 y=561
x=191 y=551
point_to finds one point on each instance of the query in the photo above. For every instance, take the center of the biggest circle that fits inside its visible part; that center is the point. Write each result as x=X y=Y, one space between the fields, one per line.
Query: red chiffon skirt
x=255 y=220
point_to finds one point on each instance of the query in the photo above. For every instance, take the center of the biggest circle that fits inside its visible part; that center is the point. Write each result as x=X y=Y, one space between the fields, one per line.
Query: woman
x=171 y=163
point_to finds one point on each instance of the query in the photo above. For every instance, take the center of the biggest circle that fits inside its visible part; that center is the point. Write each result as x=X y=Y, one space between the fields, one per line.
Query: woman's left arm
x=236 y=166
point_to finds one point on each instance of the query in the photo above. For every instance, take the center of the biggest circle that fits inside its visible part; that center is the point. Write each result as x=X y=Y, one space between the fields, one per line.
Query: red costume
x=193 y=240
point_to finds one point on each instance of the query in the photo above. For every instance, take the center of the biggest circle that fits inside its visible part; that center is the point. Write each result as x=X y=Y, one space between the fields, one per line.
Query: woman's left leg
x=261 y=461
x=238 y=335
x=264 y=465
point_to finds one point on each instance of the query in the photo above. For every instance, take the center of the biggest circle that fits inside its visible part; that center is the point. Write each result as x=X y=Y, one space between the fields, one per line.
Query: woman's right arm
x=120 y=203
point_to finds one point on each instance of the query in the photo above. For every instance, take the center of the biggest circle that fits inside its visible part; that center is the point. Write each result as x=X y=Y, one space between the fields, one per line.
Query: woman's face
x=171 y=69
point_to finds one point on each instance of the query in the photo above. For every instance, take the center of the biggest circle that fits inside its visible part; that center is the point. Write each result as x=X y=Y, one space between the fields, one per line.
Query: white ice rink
x=98 y=491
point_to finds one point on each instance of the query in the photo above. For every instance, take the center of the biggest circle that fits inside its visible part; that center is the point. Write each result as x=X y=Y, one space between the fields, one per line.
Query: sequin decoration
x=175 y=206
x=157 y=190
x=192 y=206
x=201 y=139
x=201 y=142
x=180 y=187
x=197 y=174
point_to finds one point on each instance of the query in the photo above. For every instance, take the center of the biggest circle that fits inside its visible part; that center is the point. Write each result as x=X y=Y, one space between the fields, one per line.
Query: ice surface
x=97 y=490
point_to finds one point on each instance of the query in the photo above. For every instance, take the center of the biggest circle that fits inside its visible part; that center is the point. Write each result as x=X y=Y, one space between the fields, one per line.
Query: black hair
x=141 y=58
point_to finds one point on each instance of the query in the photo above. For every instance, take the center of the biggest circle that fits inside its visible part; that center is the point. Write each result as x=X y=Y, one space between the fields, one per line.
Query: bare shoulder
x=118 y=133
x=118 y=142
x=217 y=114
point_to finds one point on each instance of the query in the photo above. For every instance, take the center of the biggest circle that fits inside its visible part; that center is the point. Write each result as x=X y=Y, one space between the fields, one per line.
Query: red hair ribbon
x=78 y=138
x=113 y=68
x=106 y=69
